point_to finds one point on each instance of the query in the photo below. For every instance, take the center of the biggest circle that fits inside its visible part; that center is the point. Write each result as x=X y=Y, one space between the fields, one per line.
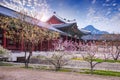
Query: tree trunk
x=91 y=71
x=25 y=47
x=116 y=58
x=91 y=68
x=27 y=59
x=117 y=53
x=57 y=68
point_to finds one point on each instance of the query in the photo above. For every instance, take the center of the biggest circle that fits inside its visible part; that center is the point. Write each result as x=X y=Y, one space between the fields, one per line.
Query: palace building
x=67 y=29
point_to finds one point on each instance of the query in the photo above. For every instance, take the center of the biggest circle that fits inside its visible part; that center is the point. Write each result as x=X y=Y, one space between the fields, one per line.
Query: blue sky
x=102 y=14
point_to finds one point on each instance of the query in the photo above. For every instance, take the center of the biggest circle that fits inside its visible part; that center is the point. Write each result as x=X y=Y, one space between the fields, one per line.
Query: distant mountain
x=93 y=30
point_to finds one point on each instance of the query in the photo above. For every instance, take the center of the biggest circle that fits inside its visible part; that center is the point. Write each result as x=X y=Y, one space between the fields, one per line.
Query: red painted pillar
x=41 y=46
x=22 y=45
x=48 y=44
x=4 y=39
x=33 y=47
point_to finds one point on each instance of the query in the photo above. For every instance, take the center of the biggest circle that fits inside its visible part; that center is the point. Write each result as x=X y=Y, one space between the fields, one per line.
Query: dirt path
x=10 y=73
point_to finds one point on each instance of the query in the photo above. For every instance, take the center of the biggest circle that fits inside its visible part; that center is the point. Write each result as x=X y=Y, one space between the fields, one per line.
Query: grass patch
x=43 y=68
x=80 y=59
x=99 y=60
x=113 y=61
x=29 y=67
x=84 y=71
x=37 y=67
x=97 y=72
x=102 y=72
x=65 y=70
x=5 y=64
x=109 y=60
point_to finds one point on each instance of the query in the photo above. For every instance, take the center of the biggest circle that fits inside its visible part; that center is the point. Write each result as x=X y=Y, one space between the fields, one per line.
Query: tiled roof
x=55 y=27
x=102 y=37
x=62 y=25
x=57 y=30
x=63 y=20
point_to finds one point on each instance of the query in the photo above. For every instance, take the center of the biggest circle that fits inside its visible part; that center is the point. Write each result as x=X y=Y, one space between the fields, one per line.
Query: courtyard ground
x=14 y=73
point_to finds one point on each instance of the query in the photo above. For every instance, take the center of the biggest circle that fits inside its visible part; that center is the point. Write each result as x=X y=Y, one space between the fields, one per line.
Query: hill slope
x=93 y=30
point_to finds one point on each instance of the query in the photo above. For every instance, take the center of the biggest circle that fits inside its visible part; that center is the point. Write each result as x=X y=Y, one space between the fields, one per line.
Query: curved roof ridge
x=64 y=19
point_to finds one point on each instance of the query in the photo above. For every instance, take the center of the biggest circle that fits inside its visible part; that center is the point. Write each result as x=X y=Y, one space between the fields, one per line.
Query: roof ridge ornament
x=54 y=12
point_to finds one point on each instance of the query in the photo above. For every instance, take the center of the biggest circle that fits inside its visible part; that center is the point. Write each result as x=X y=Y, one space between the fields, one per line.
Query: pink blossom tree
x=90 y=54
x=60 y=53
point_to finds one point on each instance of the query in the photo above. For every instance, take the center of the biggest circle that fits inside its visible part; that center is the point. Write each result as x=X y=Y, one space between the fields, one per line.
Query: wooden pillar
x=48 y=45
x=4 y=39
x=22 y=45
x=41 y=46
x=33 y=47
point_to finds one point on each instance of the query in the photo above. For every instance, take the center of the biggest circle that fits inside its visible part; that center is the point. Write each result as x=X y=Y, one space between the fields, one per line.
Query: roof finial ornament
x=74 y=20
x=64 y=19
x=54 y=12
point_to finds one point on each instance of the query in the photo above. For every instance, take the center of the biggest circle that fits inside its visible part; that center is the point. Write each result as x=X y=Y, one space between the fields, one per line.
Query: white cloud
x=38 y=8
x=101 y=22
x=91 y=12
x=93 y=1
x=108 y=12
x=114 y=4
x=107 y=0
x=118 y=9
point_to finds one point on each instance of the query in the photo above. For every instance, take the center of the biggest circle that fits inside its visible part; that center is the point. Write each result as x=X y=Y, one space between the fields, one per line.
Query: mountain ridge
x=94 y=30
